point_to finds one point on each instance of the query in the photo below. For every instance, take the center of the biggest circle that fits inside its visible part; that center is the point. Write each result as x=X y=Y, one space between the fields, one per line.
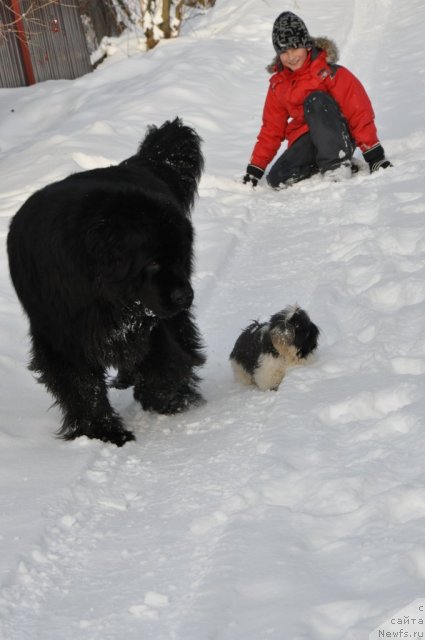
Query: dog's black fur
x=101 y=262
x=264 y=351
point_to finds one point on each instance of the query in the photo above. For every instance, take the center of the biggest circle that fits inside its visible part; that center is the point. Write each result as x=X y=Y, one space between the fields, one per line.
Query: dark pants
x=325 y=146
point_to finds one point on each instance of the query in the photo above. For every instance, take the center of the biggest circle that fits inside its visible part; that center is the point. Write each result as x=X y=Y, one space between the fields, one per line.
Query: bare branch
x=31 y=17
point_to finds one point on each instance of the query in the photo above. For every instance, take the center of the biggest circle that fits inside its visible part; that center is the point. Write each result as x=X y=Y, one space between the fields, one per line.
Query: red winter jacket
x=283 y=115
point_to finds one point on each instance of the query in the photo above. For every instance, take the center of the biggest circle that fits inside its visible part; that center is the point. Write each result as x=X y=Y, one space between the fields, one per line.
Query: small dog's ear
x=311 y=341
x=279 y=339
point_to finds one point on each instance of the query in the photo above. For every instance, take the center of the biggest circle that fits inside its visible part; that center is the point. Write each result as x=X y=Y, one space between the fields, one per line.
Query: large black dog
x=101 y=262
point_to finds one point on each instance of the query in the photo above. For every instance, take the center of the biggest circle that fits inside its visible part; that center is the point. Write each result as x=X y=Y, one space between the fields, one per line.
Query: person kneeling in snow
x=319 y=107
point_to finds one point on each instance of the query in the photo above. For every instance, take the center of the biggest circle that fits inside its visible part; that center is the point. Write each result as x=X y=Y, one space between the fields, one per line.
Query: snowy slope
x=259 y=516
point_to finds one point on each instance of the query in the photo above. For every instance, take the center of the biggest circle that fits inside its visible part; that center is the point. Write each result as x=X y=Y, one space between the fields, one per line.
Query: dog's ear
x=279 y=340
x=310 y=342
x=106 y=252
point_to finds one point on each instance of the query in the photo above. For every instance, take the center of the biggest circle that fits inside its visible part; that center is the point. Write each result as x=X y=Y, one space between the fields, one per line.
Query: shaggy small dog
x=264 y=351
x=101 y=262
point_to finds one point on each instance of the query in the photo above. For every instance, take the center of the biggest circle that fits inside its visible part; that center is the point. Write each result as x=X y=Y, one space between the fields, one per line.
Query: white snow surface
x=289 y=515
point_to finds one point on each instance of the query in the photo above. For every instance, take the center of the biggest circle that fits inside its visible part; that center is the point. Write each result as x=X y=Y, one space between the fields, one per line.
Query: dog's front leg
x=165 y=381
x=87 y=410
x=81 y=393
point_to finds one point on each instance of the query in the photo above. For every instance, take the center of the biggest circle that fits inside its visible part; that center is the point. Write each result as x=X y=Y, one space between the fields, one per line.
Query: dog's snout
x=182 y=297
x=289 y=330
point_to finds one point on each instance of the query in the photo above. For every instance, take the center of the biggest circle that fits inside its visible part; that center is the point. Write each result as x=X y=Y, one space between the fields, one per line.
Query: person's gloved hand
x=253 y=175
x=375 y=157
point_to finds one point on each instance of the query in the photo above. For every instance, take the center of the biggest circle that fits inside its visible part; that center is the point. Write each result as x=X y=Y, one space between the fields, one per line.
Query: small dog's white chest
x=270 y=372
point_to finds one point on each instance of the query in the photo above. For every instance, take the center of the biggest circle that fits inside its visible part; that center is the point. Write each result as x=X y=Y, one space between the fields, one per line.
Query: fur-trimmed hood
x=322 y=43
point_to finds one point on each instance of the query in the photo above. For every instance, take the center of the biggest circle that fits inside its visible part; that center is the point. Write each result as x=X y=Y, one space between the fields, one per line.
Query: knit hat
x=290 y=32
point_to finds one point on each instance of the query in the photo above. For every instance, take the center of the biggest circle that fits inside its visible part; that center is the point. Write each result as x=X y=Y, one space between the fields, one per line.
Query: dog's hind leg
x=240 y=374
x=81 y=393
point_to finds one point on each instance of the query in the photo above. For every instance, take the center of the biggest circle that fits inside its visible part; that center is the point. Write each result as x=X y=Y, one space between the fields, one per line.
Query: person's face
x=294 y=58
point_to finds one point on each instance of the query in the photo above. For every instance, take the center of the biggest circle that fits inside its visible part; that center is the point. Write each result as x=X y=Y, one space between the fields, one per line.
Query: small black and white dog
x=264 y=351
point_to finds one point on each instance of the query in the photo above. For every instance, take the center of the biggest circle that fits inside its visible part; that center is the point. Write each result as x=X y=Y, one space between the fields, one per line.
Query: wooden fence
x=41 y=41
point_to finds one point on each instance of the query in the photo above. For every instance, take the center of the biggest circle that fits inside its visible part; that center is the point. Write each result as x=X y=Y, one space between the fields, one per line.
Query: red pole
x=22 y=42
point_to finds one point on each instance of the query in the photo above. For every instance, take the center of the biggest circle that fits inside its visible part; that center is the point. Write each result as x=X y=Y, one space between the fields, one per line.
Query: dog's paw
x=108 y=429
x=165 y=404
x=119 y=437
x=185 y=401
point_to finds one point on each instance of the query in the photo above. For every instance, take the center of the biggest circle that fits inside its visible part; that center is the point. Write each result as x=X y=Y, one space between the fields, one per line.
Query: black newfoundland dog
x=101 y=262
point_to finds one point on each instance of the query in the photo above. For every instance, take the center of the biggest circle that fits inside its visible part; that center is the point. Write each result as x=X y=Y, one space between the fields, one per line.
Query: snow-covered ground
x=288 y=515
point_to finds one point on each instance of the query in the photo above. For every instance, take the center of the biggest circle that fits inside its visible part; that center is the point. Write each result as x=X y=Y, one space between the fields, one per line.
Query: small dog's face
x=293 y=327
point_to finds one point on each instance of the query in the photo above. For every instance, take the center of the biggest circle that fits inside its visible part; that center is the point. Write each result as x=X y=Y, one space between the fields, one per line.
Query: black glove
x=375 y=157
x=253 y=175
